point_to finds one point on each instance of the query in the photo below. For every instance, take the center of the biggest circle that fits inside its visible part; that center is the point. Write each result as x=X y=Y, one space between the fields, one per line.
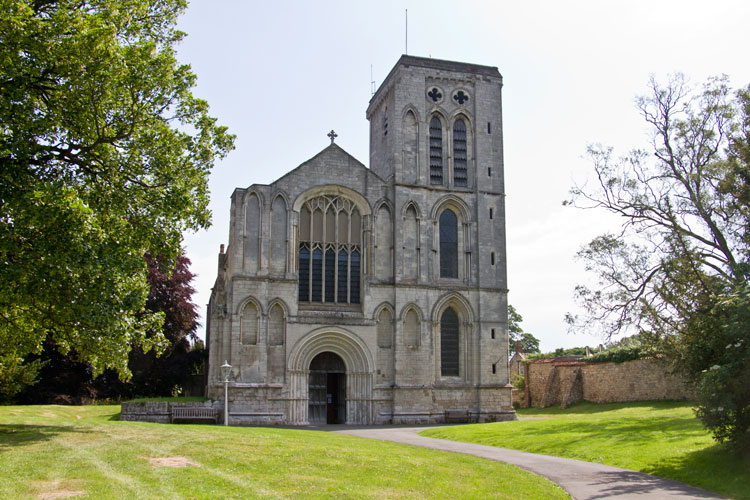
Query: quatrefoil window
x=461 y=97
x=435 y=94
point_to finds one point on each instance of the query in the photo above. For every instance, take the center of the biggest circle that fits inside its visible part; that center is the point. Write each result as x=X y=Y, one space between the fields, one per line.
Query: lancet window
x=449 y=351
x=460 y=176
x=330 y=251
x=448 y=244
x=436 y=151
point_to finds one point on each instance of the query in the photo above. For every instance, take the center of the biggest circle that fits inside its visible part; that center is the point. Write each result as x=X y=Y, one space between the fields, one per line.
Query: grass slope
x=660 y=438
x=46 y=451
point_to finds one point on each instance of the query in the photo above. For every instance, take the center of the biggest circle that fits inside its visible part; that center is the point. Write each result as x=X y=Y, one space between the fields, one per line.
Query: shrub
x=723 y=391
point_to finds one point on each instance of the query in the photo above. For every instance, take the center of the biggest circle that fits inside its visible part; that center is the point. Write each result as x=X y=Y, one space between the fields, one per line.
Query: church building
x=357 y=295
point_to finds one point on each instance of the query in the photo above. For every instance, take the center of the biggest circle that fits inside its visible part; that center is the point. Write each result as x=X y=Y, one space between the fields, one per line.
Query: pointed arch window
x=276 y=326
x=449 y=355
x=252 y=233
x=330 y=251
x=436 y=151
x=448 y=244
x=412 y=329
x=385 y=329
x=279 y=237
x=249 y=324
x=460 y=174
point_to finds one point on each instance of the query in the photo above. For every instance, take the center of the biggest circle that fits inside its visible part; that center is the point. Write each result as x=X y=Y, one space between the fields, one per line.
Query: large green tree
x=529 y=343
x=677 y=270
x=105 y=155
x=64 y=379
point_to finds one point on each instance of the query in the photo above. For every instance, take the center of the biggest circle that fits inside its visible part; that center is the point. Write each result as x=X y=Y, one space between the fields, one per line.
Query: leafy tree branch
x=105 y=158
x=678 y=268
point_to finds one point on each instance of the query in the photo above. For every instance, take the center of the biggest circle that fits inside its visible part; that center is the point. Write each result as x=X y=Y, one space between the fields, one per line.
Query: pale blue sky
x=282 y=74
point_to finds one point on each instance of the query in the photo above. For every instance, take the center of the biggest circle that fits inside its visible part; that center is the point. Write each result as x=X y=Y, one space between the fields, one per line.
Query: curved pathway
x=583 y=480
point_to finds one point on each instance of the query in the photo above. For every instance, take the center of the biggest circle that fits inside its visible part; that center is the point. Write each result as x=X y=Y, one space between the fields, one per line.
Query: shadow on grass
x=631 y=484
x=12 y=436
x=586 y=408
x=623 y=427
x=568 y=432
x=714 y=468
x=621 y=433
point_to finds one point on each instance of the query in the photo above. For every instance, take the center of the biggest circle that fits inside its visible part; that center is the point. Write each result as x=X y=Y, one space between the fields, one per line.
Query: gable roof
x=335 y=153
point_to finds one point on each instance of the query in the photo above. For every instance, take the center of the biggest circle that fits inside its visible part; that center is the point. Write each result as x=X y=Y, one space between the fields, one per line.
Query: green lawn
x=46 y=451
x=660 y=438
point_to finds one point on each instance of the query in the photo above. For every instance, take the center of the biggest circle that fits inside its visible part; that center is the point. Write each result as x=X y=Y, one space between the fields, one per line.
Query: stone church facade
x=376 y=295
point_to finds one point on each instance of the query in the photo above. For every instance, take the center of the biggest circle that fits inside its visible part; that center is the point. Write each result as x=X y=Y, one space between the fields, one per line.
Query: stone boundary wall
x=550 y=382
x=160 y=412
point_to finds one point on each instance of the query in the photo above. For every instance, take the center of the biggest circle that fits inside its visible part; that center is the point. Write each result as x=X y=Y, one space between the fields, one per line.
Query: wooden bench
x=194 y=413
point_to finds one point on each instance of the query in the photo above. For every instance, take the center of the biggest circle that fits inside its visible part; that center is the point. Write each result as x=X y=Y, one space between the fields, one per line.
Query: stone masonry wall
x=150 y=411
x=400 y=208
x=565 y=382
x=159 y=412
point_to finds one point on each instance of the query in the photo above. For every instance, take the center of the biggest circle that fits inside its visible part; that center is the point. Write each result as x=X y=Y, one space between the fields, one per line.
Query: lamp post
x=225 y=368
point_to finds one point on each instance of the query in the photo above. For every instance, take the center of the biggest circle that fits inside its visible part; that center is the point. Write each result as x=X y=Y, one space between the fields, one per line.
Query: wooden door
x=327 y=390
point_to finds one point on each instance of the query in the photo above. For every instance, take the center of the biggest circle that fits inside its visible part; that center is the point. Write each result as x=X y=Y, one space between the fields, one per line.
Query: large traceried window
x=460 y=175
x=436 y=151
x=448 y=244
x=330 y=251
x=449 y=366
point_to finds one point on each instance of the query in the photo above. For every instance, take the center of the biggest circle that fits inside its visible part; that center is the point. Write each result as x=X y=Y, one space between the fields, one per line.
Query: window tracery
x=330 y=233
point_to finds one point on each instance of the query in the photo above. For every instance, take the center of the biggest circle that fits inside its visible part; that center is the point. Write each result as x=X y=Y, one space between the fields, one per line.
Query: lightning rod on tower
x=406 y=32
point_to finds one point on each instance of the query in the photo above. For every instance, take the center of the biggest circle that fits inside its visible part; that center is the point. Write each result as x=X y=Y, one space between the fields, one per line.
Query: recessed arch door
x=327 y=390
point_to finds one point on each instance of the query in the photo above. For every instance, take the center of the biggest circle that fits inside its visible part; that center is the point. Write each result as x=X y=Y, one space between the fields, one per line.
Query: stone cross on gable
x=332 y=135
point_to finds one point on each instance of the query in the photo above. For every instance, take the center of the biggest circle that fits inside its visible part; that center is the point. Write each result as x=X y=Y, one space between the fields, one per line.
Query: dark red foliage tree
x=63 y=379
x=171 y=293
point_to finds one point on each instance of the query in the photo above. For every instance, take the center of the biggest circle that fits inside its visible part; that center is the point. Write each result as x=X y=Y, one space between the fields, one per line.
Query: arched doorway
x=356 y=383
x=327 y=389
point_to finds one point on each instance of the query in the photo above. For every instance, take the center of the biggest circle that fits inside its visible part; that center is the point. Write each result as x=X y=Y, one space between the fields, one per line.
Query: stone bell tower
x=436 y=132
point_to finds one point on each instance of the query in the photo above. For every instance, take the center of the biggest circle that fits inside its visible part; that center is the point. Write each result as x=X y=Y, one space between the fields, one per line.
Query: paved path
x=583 y=480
